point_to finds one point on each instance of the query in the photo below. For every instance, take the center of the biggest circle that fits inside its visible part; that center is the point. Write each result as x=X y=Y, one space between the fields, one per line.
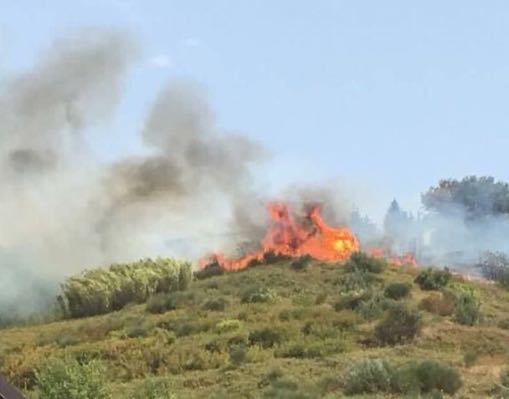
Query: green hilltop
x=290 y=329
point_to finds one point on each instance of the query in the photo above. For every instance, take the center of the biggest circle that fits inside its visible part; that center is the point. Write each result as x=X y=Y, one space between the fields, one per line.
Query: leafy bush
x=442 y=304
x=397 y=290
x=257 y=295
x=228 y=325
x=70 y=380
x=210 y=270
x=357 y=281
x=495 y=266
x=153 y=389
x=427 y=376
x=162 y=303
x=360 y=261
x=468 y=308
x=352 y=300
x=301 y=262
x=401 y=324
x=433 y=279
x=215 y=304
x=374 y=307
x=368 y=376
x=104 y=290
x=266 y=337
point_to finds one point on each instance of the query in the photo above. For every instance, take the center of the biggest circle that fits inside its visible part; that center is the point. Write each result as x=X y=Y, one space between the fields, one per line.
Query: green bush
x=215 y=304
x=104 y=290
x=70 y=380
x=210 y=270
x=374 y=307
x=401 y=324
x=162 y=303
x=468 y=308
x=360 y=261
x=301 y=262
x=470 y=357
x=427 y=376
x=266 y=337
x=153 y=389
x=228 y=325
x=257 y=295
x=397 y=290
x=368 y=376
x=433 y=279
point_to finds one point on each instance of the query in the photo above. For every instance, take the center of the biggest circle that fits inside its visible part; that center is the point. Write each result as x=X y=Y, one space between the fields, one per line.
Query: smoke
x=61 y=211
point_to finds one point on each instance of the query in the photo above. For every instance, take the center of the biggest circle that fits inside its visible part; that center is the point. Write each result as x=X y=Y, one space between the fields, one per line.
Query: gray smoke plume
x=46 y=175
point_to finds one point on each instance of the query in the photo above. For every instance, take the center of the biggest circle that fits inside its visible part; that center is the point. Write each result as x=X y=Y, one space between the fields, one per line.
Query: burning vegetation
x=291 y=236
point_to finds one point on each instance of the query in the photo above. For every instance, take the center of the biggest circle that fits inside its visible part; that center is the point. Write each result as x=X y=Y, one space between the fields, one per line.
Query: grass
x=269 y=331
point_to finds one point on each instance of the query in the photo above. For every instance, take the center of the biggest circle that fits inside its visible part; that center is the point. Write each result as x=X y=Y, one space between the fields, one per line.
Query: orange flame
x=287 y=237
x=407 y=258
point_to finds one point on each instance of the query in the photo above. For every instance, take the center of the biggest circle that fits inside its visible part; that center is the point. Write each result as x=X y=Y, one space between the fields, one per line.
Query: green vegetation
x=276 y=331
x=68 y=379
x=433 y=279
x=101 y=291
x=397 y=290
x=360 y=261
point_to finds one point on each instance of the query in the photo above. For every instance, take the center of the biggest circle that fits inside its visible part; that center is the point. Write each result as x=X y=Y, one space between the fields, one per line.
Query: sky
x=383 y=97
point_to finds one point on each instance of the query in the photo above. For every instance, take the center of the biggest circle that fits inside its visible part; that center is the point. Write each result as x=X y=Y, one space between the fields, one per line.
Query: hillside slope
x=269 y=331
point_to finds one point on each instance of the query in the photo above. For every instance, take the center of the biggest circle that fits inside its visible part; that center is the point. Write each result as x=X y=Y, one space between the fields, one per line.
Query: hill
x=291 y=329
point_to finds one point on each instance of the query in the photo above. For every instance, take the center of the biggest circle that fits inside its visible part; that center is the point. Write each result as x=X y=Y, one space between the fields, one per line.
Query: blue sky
x=393 y=95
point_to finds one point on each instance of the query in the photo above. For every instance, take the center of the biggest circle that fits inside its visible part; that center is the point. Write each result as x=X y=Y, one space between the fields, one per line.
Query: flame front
x=286 y=236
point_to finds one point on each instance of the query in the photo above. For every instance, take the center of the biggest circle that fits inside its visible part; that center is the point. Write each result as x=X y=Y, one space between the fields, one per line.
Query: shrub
x=357 y=281
x=266 y=337
x=433 y=279
x=374 y=307
x=70 y=380
x=210 y=270
x=360 y=261
x=238 y=355
x=104 y=290
x=495 y=266
x=162 y=303
x=215 y=304
x=401 y=324
x=257 y=295
x=153 y=389
x=470 y=357
x=427 y=376
x=301 y=262
x=442 y=304
x=504 y=377
x=368 y=376
x=352 y=300
x=397 y=290
x=228 y=325
x=468 y=308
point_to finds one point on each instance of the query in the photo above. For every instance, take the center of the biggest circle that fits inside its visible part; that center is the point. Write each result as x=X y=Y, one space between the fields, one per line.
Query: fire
x=407 y=258
x=288 y=237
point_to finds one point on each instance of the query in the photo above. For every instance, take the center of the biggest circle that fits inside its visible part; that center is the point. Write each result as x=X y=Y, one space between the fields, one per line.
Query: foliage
x=361 y=261
x=266 y=337
x=228 y=325
x=153 y=389
x=427 y=376
x=301 y=262
x=397 y=290
x=433 y=279
x=70 y=380
x=476 y=196
x=495 y=266
x=470 y=357
x=401 y=324
x=468 y=308
x=210 y=270
x=215 y=304
x=163 y=302
x=104 y=290
x=257 y=295
x=368 y=376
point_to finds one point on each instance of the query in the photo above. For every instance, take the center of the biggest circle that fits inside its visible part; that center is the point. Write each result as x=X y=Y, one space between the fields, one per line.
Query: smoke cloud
x=61 y=211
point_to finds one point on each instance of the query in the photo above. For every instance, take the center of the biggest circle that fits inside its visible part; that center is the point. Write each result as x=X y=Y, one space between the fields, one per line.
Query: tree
x=476 y=196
